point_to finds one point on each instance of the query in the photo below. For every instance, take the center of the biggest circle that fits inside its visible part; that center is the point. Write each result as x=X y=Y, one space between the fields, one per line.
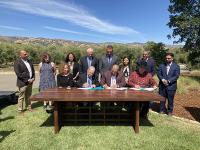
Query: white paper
x=84 y=88
x=143 y=89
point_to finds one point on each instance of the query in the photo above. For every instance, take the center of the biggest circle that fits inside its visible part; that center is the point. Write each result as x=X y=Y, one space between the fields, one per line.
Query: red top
x=143 y=81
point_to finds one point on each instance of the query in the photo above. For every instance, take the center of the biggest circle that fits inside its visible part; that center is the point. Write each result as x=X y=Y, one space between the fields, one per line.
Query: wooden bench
x=61 y=95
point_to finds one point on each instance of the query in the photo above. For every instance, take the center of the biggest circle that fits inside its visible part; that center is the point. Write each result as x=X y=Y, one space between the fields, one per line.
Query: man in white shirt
x=25 y=77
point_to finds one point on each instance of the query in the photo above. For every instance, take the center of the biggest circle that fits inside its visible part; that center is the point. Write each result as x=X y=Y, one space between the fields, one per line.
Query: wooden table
x=59 y=95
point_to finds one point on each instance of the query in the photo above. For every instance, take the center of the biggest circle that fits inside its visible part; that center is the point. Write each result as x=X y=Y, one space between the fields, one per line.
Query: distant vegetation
x=58 y=49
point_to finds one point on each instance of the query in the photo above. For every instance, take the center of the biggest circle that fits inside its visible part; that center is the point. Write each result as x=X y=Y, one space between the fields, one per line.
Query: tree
x=185 y=23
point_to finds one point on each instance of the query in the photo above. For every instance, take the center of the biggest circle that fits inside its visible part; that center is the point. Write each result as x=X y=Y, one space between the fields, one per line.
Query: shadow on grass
x=36 y=104
x=195 y=112
x=4 y=134
x=7 y=118
x=77 y=122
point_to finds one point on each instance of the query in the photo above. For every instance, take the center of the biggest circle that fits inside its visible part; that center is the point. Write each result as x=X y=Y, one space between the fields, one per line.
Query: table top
x=80 y=95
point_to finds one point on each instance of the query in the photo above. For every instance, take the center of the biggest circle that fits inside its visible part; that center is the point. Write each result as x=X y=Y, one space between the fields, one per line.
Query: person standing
x=125 y=67
x=150 y=62
x=168 y=74
x=47 y=71
x=25 y=73
x=107 y=61
x=74 y=66
x=89 y=60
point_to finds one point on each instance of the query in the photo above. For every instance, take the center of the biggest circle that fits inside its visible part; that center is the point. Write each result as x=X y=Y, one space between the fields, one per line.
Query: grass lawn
x=35 y=131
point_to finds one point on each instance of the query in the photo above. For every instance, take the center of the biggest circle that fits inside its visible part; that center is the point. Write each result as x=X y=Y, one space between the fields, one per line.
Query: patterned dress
x=47 y=77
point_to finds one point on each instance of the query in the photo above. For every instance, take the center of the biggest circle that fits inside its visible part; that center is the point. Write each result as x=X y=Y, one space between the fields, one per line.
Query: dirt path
x=186 y=105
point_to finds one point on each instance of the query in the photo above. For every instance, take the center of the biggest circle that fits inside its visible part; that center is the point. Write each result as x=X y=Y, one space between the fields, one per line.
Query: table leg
x=137 y=117
x=56 y=118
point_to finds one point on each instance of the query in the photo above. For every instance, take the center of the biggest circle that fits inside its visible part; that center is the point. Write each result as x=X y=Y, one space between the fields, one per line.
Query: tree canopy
x=185 y=23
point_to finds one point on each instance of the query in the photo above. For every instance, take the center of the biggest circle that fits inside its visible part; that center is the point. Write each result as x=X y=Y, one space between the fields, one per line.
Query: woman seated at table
x=64 y=78
x=142 y=79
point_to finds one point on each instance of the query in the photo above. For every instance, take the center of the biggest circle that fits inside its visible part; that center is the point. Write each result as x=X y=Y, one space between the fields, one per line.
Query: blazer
x=150 y=65
x=106 y=79
x=104 y=65
x=83 y=79
x=22 y=72
x=172 y=76
x=84 y=64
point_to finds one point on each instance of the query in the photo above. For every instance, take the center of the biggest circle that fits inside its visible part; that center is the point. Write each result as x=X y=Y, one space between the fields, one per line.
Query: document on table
x=120 y=89
x=89 y=88
x=143 y=89
x=84 y=88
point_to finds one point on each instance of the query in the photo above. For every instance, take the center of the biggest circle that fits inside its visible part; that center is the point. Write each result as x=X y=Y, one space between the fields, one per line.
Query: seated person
x=142 y=79
x=113 y=78
x=89 y=79
x=64 y=78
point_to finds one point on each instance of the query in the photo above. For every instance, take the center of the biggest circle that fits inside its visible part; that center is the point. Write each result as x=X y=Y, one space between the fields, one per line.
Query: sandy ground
x=8 y=81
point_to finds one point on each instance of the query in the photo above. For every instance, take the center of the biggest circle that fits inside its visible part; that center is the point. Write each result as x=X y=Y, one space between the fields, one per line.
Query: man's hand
x=93 y=86
x=114 y=86
x=85 y=85
x=30 y=81
x=165 y=82
x=105 y=86
x=155 y=87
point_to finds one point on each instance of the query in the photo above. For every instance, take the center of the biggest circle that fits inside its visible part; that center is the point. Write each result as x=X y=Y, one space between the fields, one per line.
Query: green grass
x=34 y=131
x=186 y=84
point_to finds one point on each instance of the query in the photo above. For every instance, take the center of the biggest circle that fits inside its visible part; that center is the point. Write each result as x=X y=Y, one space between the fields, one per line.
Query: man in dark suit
x=88 y=79
x=150 y=62
x=106 y=62
x=89 y=60
x=113 y=78
x=168 y=74
x=25 y=77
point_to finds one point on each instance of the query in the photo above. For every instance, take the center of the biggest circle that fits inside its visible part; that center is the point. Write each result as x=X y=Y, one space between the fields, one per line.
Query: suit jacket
x=104 y=65
x=84 y=64
x=83 y=79
x=22 y=72
x=150 y=65
x=106 y=79
x=172 y=76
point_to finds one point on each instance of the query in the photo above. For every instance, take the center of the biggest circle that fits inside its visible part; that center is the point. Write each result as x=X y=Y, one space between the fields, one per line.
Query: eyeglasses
x=168 y=58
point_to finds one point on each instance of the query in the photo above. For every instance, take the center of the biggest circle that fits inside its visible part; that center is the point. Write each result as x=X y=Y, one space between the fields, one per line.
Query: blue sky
x=87 y=20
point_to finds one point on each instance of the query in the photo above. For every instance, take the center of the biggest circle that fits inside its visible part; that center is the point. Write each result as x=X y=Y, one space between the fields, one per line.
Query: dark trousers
x=168 y=95
x=144 y=108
